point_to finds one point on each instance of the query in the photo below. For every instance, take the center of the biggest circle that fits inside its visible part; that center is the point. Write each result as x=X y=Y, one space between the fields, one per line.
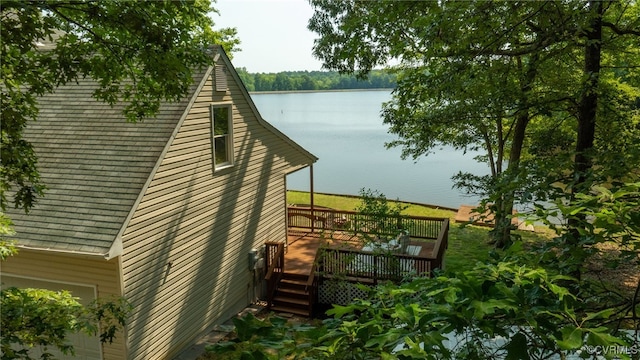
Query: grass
x=468 y=245
x=348 y=202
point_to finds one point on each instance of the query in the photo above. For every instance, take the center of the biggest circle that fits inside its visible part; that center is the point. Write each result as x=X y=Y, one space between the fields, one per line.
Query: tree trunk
x=501 y=235
x=586 y=114
x=588 y=102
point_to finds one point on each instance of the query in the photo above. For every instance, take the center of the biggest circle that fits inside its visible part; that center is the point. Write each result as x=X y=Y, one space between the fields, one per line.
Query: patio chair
x=403 y=240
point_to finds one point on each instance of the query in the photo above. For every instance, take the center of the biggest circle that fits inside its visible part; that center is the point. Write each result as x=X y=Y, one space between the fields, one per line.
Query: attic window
x=220 y=78
x=222 y=137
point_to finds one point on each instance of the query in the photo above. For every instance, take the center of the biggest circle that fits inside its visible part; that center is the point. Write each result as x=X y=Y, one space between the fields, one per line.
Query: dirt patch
x=623 y=277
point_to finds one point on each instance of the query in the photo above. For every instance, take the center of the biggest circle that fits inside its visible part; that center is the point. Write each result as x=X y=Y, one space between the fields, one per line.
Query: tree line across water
x=314 y=80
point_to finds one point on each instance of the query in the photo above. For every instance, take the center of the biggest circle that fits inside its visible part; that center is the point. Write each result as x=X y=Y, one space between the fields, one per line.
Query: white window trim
x=230 y=148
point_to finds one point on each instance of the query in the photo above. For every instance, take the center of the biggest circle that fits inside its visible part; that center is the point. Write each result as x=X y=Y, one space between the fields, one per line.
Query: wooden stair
x=292 y=295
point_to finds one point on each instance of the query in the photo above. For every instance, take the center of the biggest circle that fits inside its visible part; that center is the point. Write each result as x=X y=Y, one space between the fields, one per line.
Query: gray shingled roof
x=94 y=164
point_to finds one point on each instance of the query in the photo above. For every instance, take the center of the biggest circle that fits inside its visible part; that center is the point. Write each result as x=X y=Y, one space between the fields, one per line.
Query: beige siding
x=59 y=267
x=185 y=248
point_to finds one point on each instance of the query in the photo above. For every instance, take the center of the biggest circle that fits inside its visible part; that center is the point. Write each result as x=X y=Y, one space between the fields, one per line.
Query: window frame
x=228 y=136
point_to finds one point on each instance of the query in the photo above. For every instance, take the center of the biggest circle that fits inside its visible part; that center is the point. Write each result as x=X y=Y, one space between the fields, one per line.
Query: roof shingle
x=94 y=164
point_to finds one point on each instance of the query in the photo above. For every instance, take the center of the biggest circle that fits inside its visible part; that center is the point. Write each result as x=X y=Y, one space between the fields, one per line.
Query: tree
x=282 y=83
x=307 y=83
x=315 y=80
x=594 y=35
x=140 y=53
x=379 y=218
x=476 y=75
x=247 y=79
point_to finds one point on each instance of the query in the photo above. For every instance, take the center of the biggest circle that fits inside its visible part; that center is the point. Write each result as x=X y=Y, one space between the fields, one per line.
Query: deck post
x=313 y=222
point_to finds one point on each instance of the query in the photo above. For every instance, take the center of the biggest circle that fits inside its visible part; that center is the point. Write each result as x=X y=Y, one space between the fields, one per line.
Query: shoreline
x=432 y=206
x=314 y=91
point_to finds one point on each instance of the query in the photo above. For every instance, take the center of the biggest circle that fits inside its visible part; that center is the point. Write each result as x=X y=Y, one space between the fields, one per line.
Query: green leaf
x=571 y=338
x=249 y=326
x=483 y=308
x=601 y=336
x=382 y=340
x=451 y=296
x=339 y=311
x=603 y=314
x=577 y=210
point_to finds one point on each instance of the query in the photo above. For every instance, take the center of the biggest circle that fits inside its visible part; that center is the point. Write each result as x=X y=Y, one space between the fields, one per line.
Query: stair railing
x=312 y=284
x=275 y=268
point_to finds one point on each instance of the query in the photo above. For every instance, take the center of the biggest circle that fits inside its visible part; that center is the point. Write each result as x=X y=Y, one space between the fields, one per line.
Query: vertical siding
x=72 y=269
x=185 y=248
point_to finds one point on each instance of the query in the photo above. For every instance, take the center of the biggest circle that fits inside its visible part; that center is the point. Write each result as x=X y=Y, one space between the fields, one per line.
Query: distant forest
x=314 y=80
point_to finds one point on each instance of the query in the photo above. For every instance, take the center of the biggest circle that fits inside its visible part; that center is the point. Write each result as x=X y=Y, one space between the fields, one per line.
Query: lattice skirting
x=339 y=292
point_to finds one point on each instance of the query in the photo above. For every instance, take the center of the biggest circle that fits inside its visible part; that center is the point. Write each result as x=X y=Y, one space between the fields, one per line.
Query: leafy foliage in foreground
x=33 y=318
x=510 y=309
x=607 y=216
x=493 y=311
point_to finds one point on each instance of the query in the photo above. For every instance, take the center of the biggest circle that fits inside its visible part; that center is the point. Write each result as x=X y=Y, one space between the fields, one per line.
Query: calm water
x=345 y=131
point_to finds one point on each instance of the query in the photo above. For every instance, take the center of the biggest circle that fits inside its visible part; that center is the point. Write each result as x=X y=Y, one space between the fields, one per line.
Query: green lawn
x=343 y=202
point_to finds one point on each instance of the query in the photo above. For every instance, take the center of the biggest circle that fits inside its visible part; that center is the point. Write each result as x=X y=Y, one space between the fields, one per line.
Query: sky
x=273 y=34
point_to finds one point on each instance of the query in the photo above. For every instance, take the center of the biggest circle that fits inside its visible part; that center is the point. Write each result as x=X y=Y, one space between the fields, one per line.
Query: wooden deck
x=294 y=280
x=304 y=245
x=466 y=214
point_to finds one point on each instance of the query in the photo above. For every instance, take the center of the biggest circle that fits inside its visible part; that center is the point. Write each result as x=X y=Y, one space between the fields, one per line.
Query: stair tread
x=294 y=276
x=289 y=300
x=293 y=283
x=295 y=311
x=292 y=291
x=296 y=282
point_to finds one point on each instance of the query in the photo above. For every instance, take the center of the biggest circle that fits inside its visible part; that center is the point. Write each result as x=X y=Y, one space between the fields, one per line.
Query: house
x=164 y=212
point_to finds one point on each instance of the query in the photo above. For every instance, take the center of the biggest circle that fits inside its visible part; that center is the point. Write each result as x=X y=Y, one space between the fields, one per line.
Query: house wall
x=185 y=262
x=61 y=269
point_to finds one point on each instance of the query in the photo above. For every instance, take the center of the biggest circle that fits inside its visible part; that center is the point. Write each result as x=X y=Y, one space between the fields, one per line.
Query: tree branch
x=619 y=31
x=108 y=45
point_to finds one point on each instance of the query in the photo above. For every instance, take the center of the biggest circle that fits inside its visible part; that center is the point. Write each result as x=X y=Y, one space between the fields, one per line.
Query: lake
x=345 y=131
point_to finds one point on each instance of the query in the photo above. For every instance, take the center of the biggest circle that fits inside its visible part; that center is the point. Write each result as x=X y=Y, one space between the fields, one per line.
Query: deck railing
x=275 y=267
x=360 y=266
x=333 y=220
x=312 y=286
x=364 y=266
x=442 y=243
